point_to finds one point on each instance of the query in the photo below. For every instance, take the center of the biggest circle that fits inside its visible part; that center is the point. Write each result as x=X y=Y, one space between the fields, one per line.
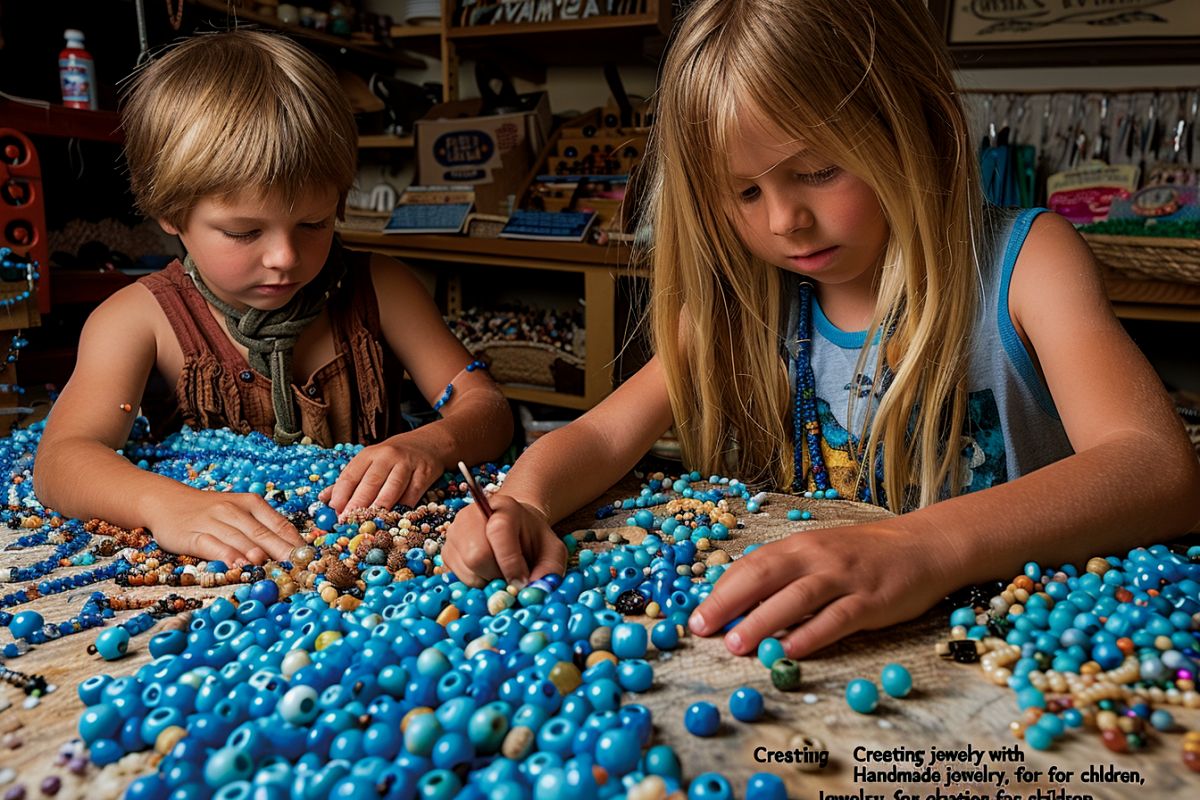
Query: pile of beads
x=557 y=328
x=425 y=682
x=1093 y=649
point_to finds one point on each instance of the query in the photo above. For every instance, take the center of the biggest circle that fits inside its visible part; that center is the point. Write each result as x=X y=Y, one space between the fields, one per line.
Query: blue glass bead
x=325 y=518
x=664 y=635
x=1038 y=737
x=661 y=760
x=488 y=726
x=629 y=640
x=618 y=751
x=710 y=786
x=765 y=786
x=702 y=719
x=167 y=643
x=557 y=736
x=24 y=623
x=1162 y=720
x=105 y=751
x=770 y=650
x=91 y=689
x=862 y=695
x=452 y=750
x=635 y=675
x=603 y=693
x=112 y=643
x=1030 y=697
x=895 y=680
x=746 y=704
x=100 y=721
x=439 y=784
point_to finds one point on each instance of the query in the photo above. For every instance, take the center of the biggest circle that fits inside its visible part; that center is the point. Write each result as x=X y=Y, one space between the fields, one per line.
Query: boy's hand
x=515 y=543
x=382 y=475
x=823 y=585
x=235 y=528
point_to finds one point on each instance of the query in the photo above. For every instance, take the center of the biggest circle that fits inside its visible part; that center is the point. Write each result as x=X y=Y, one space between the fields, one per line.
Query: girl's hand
x=235 y=528
x=515 y=543
x=382 y=475
x=823 y=585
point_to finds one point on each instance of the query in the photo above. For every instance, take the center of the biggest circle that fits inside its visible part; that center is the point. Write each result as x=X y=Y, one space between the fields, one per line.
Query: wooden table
x=952 y=706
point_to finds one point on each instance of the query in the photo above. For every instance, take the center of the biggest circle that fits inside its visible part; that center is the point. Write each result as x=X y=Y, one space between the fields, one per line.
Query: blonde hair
x=226 y=112
x=867 y=84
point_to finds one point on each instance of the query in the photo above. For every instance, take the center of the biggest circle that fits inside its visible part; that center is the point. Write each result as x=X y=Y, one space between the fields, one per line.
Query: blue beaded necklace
x=806 y=423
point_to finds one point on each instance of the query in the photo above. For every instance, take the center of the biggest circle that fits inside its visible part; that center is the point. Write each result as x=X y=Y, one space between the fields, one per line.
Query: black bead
x=630 y=603
x=964 y=651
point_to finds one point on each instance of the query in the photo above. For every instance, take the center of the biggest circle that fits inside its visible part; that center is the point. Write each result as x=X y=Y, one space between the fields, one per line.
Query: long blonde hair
x=867 y=84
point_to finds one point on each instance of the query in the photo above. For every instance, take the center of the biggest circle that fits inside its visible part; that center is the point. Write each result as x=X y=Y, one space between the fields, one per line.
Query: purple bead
x=15 y=792
x=50 y=785
x=77 y=765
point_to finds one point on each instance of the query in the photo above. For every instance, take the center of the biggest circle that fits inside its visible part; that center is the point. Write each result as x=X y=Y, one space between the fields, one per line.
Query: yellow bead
x=326 y=638
x=167 y=738
x=566 y=677
x=596 y=656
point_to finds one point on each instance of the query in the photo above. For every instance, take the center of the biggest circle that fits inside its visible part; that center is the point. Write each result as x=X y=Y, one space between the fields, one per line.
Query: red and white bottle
x=77 y=72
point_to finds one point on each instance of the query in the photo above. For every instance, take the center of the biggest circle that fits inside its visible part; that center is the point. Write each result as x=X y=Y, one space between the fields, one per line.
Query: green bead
x=785 y=674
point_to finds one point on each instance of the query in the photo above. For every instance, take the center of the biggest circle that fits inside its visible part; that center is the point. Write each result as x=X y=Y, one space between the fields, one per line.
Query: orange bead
x=1125 y=644
x=1024 y=582
x=1124 y=595
x=1114 y=740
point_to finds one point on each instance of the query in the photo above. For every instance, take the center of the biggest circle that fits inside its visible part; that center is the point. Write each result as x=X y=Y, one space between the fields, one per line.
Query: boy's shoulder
x=130 y=309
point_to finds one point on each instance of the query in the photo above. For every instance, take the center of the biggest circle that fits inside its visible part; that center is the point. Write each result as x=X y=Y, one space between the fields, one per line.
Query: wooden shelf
x=386 y=140
x=415 y=31
x=55 y=120
x=310 y=35
x=1160 y=300
x=565 y=256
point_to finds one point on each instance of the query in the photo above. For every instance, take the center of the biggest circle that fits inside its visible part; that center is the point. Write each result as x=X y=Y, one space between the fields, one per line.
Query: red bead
x=1191 y=760
x=1114 y=739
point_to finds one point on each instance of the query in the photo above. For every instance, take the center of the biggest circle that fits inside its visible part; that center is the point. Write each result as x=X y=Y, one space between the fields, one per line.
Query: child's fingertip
x=733 y=641
x=697 y=623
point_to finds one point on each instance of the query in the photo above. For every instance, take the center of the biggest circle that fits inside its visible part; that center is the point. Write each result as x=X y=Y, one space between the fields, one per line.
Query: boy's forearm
x=1066 y=512
x=108 y=488
x=479 y=430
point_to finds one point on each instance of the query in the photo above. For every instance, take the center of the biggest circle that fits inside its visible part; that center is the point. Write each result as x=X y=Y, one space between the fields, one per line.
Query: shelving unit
x=599 y=268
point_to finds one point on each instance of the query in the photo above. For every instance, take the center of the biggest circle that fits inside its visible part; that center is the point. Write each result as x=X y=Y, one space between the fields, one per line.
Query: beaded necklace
x=806 y=422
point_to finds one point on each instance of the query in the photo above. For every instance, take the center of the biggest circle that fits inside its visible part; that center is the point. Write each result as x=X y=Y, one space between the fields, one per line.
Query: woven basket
x=533 y=363
x=1148 y=257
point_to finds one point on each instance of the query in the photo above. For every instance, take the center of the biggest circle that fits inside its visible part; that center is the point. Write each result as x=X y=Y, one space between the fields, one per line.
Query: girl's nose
x=787 y=215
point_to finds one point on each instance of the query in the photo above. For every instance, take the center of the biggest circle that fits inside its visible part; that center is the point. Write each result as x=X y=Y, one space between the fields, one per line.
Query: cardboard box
x=456 y=145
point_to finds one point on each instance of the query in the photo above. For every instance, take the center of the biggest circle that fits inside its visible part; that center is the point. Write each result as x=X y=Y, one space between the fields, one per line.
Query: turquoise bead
x=298 y=705
x=862 y=696
x=710 y=786
x=769 y=651
x=421 y=734
x=765 y=786
x=664 y=635
x=618 y=751
x=896 y=680
x=661 y=760
x=112 y=643
x=438 y=784
x=1038 y=738
x=702 y=719
x=629 y=640
x=100 y=721
x=226 y=766
x=24 y=623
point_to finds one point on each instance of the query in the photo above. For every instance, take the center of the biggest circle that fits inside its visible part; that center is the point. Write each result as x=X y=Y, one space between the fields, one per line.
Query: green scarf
x=270 y=336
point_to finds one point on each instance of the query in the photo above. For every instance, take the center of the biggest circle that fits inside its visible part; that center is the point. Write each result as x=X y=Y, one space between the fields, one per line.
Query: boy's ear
x=168 y=227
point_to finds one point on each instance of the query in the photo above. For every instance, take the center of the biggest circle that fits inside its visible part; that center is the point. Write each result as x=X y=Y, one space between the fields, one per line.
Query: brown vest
x=343 y=401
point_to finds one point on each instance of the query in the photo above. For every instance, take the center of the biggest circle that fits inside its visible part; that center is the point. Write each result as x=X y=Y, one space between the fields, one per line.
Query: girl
x=833 y=307
x=244 y=146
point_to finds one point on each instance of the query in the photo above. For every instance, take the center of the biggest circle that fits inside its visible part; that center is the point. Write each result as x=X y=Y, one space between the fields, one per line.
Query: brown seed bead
x=1106 y=720
x=1114 y=740
x=1023 y=582
x=566 y=677
x=167 y=738
x=517 y=743
x=1191 y=761
x=1098 y=566
x=346 y=603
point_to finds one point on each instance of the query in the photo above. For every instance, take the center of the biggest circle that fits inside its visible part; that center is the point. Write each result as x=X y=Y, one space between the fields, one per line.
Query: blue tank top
x=1012 y=427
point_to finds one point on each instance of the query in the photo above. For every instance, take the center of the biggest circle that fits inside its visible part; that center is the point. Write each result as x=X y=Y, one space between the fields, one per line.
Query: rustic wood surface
x=952 y=706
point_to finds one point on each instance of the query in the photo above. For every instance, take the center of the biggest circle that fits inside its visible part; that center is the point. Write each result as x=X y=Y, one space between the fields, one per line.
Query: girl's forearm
x=1089 y=504
x=84 y=478
x=568 y=468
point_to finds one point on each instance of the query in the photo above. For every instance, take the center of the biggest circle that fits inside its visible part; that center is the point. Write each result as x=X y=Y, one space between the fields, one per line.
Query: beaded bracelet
x=445 y=398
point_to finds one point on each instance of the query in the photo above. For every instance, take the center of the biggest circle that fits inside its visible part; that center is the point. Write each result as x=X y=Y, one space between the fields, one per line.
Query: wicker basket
x=533 y=363
x=1148 y=257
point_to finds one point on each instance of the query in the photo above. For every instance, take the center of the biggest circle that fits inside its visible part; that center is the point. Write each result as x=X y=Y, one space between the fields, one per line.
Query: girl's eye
x=748 y=195
x=240 y=236
x=820 y=176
